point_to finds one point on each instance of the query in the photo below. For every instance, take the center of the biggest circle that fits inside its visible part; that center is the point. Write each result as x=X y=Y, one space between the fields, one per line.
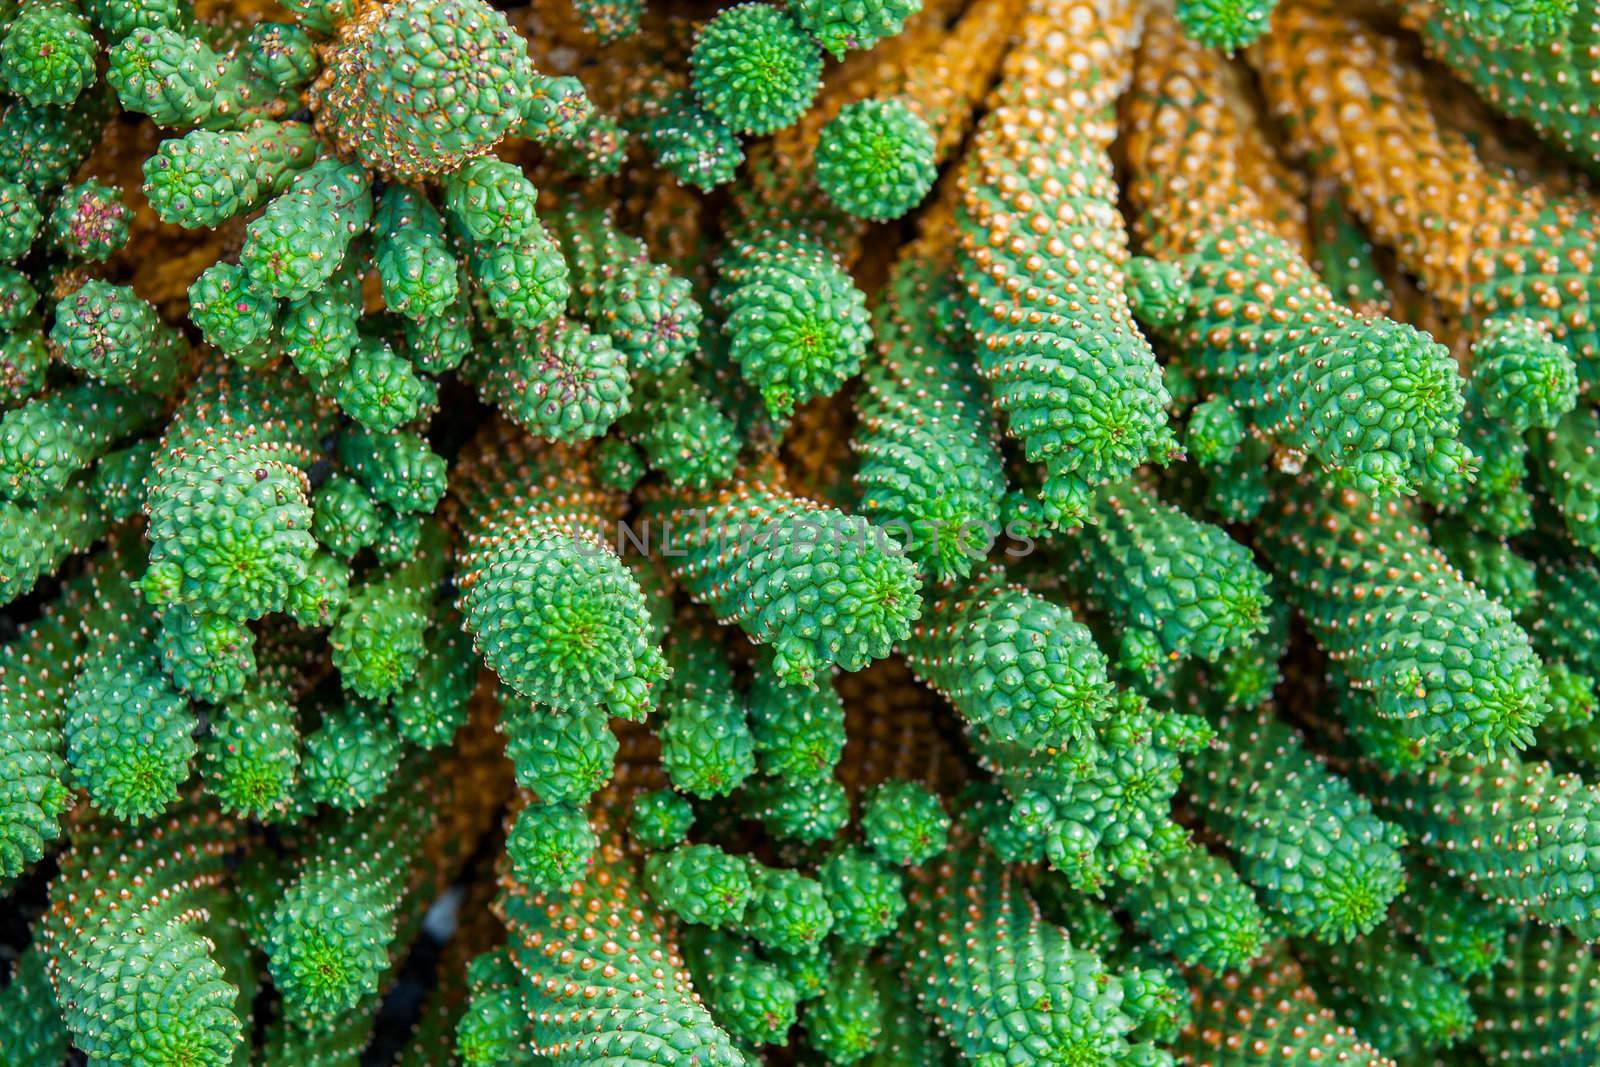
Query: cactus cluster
x=845 y=532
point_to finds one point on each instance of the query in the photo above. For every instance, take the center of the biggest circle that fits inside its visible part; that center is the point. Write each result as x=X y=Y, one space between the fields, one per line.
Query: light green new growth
x=54 y=437
x=930 y=466
x=1002 y=984
x=660 y=819
x=701 y=884
x=252 y=754
x=864 y=895
x=352 y=755
x=550 y=845
x=433 y=705
x=904 y=823
x=843 y=26
x=1309 y=844
x=38 y=670
x=492 y=1031
x=328 y=937
x=682 y=431
x=755 y=552
x=232 y=463
x=1377 y=403
x=788 y=911
x=754 y=68
x=381 y=97
x=551 y=607
x=559 y=381
x=128 y=733
x=876 y=159
x=398 y=469
x=560 y=757
x=293 y=248
x=1194 y=906
x=648 y=312
x=746 y=994
x=1015 y=665
x=233 y=314
x=803 y=811
x=684 y=138
x=380 y=390
x=797 y=326
x=1440 y=660
x=109 y=333
x=1227 y=25
x=416 y=271
x=378 y=642
x=206 y=177
x=799 y=734
x=1176 y=586
x=846 y=1022
x=47 y=55
x=518 y=267
x=147 y=965
x=707 y=748
x=209 y=657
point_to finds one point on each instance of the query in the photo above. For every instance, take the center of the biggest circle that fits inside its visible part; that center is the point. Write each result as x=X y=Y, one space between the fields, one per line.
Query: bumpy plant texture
x=821 y=587
x=876 y=533
x=1043 y=259
x=1374 y=402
